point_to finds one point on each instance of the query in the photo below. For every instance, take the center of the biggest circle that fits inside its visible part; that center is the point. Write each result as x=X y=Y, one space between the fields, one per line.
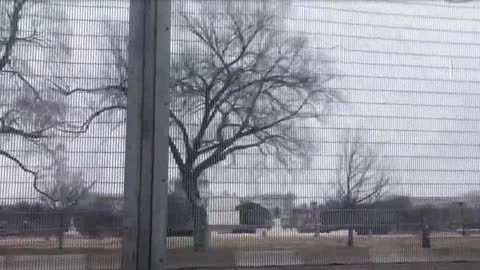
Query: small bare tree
x=361 y=177
x=62 y=190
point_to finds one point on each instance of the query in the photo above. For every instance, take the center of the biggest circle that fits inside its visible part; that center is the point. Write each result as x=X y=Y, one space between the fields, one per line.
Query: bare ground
x=247 y=249
x=256 y=242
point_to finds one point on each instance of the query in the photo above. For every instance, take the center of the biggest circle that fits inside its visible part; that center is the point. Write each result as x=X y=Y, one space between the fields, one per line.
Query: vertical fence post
x=145 y=209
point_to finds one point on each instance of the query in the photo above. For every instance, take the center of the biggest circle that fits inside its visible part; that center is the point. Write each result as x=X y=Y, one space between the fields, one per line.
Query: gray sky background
x=409 y=75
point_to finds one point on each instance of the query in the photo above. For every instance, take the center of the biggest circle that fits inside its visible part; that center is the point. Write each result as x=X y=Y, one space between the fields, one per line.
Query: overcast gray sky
x=409 y=75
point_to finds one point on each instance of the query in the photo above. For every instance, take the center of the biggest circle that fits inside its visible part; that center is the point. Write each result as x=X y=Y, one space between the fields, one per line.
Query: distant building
x=434 y=201
x=254 y=214
x=115 y=201
x=279 y=205
x=220 y=210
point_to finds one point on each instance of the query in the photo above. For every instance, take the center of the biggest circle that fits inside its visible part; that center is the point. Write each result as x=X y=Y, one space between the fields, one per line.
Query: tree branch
x=86 y=124
x=12 y=37
x=108 y=88
x=29 y=135
x=176 y=154
x=27 y=170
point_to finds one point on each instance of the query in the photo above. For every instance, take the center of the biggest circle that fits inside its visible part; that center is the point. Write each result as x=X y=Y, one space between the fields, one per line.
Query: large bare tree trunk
x=60 y=230
x=350 y=236
x=60 y=237
x=201 y=235
x=351 y=221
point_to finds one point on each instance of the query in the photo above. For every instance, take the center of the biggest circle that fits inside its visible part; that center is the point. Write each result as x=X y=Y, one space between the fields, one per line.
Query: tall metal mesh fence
x=378 y=165
x=302 y=132
x=62 y=65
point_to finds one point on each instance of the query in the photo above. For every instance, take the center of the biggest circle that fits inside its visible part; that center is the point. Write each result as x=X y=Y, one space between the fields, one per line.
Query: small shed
x=254 y=214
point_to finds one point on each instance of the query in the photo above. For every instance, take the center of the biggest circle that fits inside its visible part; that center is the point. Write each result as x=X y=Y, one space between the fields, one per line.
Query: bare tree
x=361 y=177
x=238 y=85
x=27 y=113
x=61 y=190
x=244 y=91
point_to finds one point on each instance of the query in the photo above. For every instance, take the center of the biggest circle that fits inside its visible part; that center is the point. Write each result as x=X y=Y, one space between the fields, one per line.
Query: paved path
x=246 y=258
x=268 y=258
x=60 y=262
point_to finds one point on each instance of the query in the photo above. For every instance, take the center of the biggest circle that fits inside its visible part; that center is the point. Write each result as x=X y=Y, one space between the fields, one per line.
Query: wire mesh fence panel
x=323 y=132
x=301 y=132
x=63 y=81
